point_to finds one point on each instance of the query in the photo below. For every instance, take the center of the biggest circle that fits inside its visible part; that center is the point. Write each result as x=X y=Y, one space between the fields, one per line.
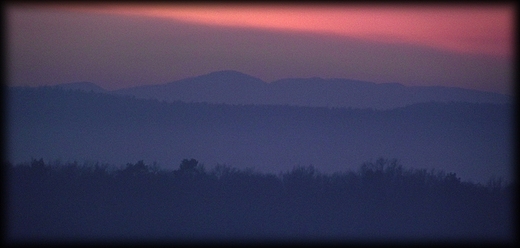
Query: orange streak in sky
x=467 y=29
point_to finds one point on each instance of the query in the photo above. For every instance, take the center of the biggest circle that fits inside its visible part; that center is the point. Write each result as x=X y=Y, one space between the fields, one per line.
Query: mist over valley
x=472 y=139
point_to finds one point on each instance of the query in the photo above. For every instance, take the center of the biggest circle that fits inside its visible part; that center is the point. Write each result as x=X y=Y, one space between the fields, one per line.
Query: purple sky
x=47 y=45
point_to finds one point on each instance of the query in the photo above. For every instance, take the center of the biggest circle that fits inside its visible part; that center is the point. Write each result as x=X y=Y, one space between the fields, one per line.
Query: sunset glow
x=466 y=29
x=122 y=45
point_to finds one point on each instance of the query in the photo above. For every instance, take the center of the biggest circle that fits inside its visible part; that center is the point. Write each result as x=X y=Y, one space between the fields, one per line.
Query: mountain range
x=473 y=140
x=233 y=87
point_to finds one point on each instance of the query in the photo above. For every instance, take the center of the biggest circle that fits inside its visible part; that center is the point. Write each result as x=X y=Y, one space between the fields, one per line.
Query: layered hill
x=473 y=140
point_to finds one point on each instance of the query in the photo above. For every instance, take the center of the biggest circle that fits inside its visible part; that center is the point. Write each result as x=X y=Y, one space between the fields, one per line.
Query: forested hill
x=380 y=202
x=472 y=140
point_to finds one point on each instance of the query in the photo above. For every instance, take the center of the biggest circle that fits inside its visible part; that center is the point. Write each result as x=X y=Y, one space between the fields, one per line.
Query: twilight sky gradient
x=118 y=46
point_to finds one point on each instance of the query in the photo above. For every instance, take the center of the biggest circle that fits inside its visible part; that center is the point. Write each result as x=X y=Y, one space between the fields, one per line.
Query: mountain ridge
x=234 y=87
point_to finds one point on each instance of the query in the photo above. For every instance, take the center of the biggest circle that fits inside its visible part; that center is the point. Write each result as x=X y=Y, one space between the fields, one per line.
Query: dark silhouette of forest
x=381 y=201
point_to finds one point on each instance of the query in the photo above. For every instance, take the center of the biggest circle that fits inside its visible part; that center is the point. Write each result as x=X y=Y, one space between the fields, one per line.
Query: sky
x=124 y=45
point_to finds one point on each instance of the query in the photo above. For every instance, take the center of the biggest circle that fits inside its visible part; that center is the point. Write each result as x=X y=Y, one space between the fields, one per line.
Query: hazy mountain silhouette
x=230 y=87
x=234 y=87
x=83 y=86
x=472 y=140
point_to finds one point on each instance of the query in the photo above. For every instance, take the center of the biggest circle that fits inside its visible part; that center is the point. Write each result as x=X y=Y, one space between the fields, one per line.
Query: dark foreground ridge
x=380 y=202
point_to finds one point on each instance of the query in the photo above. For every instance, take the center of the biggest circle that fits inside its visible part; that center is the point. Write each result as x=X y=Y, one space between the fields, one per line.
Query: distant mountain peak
x=230 y=75
x=227 y=72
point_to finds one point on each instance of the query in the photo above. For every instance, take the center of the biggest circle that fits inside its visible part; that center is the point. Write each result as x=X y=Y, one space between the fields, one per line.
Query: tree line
x=380 y=201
